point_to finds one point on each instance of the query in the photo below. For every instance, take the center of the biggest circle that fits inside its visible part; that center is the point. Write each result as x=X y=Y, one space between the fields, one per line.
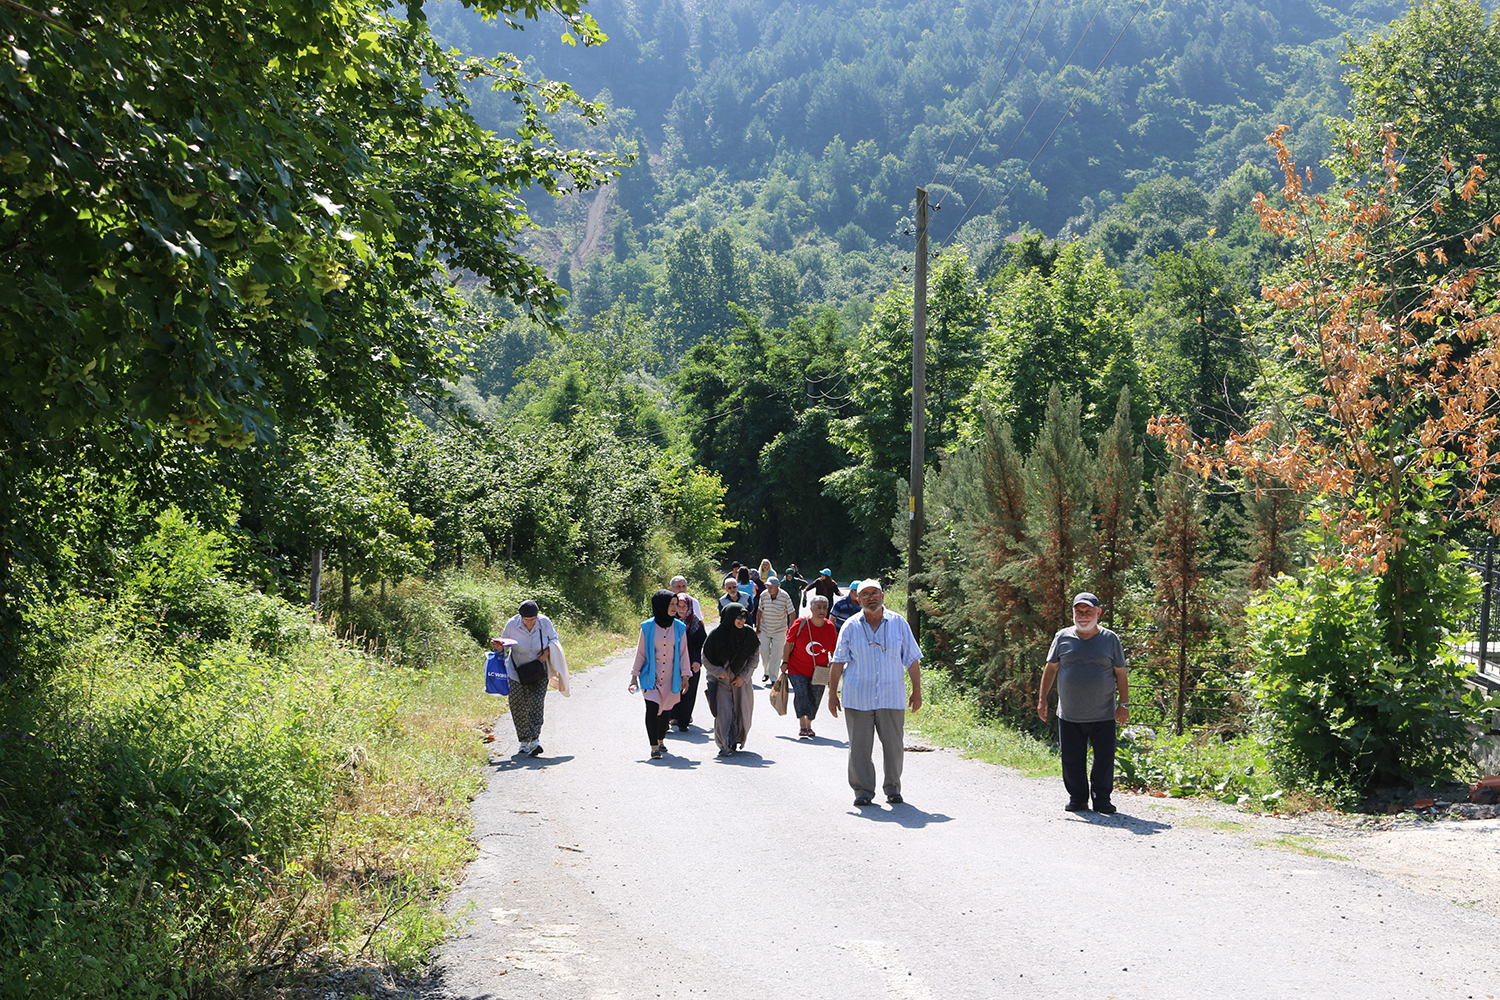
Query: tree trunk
x=315 y=584
x=348 y=593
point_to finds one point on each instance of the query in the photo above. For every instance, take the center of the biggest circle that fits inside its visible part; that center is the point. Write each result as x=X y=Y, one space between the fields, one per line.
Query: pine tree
x=1117 y=488
x=1177 y=564
x=1057 y=474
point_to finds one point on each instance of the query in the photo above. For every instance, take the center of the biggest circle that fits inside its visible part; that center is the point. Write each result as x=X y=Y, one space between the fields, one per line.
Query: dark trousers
x=806 y=696
x=682 y=712
x=1074 y=739
x=657 y=722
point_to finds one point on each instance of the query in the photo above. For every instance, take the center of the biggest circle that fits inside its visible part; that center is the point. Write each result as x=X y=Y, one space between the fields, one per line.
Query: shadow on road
x=1131 y=824
x=745 y=758
x=817 y=741
x=675 y=761
x=528 y=763
x=906 y=815
x=693 y=735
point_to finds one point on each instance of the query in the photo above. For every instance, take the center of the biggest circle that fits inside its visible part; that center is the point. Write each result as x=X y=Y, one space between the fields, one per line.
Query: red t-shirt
x=812 y=645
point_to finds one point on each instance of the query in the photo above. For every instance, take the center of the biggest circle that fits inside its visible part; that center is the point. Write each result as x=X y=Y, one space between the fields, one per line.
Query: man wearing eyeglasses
x=1088 y=663
x=874 y=650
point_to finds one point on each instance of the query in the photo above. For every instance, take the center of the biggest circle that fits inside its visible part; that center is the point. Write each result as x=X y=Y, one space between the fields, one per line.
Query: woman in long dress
x=662 y=667
x=685 y=608
x=730 y=655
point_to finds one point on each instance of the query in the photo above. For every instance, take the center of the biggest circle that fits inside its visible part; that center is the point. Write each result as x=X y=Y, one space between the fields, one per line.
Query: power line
x=978 y=128
x=999 y=41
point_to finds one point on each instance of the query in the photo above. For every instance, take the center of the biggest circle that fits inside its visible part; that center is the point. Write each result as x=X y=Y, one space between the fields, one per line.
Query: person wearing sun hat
x=825 y=584
x=1088 y=663
x=875 y=655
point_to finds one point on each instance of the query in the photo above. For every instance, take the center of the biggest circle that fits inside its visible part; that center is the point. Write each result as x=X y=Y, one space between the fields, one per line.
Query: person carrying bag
x=805 y=657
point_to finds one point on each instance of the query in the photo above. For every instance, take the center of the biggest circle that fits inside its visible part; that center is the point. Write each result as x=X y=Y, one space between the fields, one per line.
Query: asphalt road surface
x=604 y=874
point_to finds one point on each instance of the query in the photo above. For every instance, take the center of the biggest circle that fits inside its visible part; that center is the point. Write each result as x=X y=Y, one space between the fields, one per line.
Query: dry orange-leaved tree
x=1396 y=428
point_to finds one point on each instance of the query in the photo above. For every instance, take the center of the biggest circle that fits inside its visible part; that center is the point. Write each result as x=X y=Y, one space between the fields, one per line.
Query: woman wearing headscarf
x=685 y=608
x=729 y=656
x=661 y=667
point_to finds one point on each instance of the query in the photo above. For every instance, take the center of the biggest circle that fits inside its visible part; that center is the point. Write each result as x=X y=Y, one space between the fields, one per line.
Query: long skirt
x=735 y=707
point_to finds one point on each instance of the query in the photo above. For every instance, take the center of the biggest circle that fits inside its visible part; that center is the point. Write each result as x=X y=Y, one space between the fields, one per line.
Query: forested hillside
x=1012 y=112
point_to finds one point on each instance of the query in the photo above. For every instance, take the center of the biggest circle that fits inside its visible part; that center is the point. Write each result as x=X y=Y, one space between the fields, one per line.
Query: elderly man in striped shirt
x=874 y=649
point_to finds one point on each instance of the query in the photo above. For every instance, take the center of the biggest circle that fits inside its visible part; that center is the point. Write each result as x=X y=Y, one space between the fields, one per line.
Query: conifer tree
x=1117 y=488
x=1177 y=567
x=1057 y=474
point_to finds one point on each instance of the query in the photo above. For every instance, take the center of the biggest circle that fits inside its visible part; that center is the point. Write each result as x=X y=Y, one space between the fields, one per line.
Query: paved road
x=603 y=874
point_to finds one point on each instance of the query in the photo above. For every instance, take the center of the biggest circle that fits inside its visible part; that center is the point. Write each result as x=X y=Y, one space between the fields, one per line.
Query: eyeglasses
x=877 y=645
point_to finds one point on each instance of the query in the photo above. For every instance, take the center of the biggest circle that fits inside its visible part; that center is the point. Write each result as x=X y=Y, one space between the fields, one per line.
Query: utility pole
x=918 y=413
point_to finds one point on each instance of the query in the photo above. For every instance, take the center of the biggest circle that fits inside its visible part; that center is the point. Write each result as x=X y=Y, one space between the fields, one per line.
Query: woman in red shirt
x=805 y=656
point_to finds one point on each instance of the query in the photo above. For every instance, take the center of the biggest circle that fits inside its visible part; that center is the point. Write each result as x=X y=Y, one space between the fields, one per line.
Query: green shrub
x=1235 y=771
x=1348 y=695
x=473 y=612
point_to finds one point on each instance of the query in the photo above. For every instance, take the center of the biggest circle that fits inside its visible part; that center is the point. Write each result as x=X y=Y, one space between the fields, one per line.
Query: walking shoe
x=894 y=800
x=522 y=750
x=725 y=753
x=863 y=801
x=656 y=753
x=1107 y=808
x=1074 y=807
x=536 y=749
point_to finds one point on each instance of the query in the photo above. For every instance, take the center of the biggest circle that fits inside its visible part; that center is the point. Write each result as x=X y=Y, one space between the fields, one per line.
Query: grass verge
x=952 y=717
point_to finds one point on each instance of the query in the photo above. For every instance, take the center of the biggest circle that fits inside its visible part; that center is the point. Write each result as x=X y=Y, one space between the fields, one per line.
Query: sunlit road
x=604 y=874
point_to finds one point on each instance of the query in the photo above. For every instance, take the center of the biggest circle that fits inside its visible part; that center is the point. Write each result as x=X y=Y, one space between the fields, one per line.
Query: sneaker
x=656 y=753
x=1107 y=808
x=536 y=749
x=522 y=750
x=1074 y=807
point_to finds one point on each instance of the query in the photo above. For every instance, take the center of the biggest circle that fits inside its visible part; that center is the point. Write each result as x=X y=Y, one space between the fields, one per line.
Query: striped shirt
x=875 y=662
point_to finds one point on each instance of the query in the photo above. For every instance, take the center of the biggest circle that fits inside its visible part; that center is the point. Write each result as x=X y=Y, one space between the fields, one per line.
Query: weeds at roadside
x=1300 y=845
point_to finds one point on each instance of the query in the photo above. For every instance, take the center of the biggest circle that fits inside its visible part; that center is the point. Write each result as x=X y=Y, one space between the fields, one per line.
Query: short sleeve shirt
x=1086 y=673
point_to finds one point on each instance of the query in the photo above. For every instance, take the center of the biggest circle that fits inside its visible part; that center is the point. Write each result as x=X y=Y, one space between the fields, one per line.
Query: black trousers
x=1074 y=739
x=657 y=722
x=682 y=712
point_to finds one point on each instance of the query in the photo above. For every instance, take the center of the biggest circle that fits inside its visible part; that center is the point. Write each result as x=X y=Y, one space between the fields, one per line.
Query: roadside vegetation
x=185 y=818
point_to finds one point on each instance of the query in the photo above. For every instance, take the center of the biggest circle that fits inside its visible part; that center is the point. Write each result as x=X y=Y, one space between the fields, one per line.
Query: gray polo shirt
x=1086 y=674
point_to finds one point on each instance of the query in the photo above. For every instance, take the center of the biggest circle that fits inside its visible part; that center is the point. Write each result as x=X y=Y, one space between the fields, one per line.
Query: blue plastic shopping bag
x=496 y=681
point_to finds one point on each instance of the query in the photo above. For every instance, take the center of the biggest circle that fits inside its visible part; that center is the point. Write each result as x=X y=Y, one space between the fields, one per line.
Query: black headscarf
x=661 y=608
x=729 y=645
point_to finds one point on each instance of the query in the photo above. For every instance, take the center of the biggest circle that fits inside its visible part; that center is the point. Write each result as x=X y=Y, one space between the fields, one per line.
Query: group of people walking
x=864 y=664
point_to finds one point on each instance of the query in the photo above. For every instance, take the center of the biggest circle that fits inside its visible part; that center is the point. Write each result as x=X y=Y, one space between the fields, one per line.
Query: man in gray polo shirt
x=1088 y=663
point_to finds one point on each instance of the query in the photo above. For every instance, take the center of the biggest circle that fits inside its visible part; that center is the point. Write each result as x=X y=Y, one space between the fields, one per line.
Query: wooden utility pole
x=918 y=413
